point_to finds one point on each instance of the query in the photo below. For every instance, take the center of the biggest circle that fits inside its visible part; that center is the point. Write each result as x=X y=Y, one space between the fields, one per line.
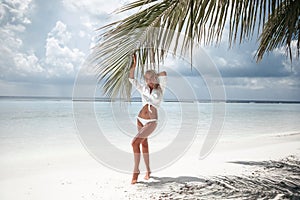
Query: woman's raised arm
x=133 y=65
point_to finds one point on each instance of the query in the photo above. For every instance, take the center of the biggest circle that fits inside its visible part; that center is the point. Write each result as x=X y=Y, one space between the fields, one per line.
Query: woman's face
x=150 y=80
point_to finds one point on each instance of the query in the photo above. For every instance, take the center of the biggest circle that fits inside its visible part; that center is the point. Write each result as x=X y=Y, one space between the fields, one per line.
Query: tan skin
x=146 y=114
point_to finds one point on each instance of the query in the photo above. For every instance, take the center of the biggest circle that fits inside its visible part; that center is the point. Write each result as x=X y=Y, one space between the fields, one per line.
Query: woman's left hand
x=163 y=73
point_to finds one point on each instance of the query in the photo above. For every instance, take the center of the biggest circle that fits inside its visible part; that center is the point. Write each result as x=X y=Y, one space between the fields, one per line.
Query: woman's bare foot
x=135 y=177
x=147 y=176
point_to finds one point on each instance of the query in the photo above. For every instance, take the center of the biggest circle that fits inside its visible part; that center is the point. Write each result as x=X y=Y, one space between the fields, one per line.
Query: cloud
x=15 y=12
x=93 y=12
x=272 y=78
x=20 y=63
x=294 y=67
x=60 y=59
x=13 y=24
x=273 y=88
x=255 y=83
x=27 y=63
x=93 y=7
x=239 y=62
x=85 y=17
x=60 y=32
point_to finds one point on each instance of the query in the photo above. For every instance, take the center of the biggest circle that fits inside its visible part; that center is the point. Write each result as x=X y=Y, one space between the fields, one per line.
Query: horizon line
x=138 y=99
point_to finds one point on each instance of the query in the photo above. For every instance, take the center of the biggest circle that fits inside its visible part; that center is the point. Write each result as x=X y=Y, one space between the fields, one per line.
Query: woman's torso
x=146 y=114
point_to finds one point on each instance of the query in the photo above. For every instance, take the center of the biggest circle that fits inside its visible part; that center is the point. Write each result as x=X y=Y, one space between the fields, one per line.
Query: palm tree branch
x=109 y=68
x=201 y=20
x=281 y=29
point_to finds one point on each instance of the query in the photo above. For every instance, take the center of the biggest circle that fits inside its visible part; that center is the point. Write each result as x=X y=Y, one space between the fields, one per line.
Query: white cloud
x=219 y=61
x=9 y=41
x=282 y=52
x=93 y=7
x=82 y=34
x=61 y=58
x=96 y=13
x=13 y=24
x=60 y=33
x=15 y=28
x=18 y=9
x=27 y=63
x=88 y=22
x=93 y=13
x=22 y=63
x=280 y=88
x=262 y=83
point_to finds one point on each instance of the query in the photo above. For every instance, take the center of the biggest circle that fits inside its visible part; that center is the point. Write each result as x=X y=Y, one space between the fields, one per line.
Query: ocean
x=42 y=125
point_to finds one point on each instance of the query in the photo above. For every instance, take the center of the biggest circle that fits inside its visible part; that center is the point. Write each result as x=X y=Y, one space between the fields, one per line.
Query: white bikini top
x=155 y=97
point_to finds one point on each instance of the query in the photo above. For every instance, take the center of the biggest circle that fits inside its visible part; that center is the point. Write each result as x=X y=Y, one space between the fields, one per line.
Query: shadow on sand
x=265 y=180
x=160 y=181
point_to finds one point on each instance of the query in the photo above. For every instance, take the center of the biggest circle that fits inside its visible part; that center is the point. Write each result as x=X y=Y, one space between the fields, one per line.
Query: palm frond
x=112 y=55
x=151 y=31
x=282 y=27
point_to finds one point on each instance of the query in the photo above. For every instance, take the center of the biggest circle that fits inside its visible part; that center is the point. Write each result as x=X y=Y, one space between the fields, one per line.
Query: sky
x=45 y=43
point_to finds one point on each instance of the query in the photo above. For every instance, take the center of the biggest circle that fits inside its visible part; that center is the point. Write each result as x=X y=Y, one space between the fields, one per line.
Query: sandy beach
x=264 y=167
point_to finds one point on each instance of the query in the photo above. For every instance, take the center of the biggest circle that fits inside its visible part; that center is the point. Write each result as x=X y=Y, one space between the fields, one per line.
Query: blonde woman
x=152 y=94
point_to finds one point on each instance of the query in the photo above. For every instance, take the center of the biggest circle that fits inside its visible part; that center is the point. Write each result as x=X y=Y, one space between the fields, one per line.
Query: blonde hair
x=154 y=75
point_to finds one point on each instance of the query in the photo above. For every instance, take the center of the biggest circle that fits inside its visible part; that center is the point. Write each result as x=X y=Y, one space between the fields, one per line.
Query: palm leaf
x=158 y=24
x=282 y=27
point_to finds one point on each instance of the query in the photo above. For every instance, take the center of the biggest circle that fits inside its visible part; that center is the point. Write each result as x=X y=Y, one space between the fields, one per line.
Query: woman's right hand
x=133 y=61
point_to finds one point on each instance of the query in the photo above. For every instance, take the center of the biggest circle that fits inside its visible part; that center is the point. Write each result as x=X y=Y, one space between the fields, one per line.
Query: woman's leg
x=145 y=150
x=136 y=149
x=137 y=153
x=142 y=135
x=137 y=156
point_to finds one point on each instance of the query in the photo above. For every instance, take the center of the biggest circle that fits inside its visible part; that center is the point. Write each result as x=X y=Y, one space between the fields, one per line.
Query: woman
x=152 y=94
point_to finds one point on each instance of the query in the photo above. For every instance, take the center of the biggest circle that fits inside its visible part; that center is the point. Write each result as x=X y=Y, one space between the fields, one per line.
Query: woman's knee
x=135 y=143
x=145 y=144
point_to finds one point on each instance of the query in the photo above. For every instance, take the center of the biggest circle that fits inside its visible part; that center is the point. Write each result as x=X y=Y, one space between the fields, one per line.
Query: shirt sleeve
x=163 y=83
x=136 y=84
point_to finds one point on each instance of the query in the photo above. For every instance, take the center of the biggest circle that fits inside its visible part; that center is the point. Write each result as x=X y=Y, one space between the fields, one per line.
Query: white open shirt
x=155 y=97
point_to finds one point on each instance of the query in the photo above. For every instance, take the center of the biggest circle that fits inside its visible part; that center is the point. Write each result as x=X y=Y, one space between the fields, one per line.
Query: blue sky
x=44 y=44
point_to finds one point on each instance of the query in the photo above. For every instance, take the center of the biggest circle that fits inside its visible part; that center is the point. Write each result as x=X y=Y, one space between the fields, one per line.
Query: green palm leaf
x=282 y=27
x=151 y=31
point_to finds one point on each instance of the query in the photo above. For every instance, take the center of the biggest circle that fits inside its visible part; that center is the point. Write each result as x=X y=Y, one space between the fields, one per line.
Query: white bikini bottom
x=145 y=121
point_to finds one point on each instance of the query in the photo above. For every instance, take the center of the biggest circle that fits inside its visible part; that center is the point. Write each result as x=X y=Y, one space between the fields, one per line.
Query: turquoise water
x=31 y=125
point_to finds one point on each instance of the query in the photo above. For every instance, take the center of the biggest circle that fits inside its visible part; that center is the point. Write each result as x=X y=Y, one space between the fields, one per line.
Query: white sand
x=74 y=174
